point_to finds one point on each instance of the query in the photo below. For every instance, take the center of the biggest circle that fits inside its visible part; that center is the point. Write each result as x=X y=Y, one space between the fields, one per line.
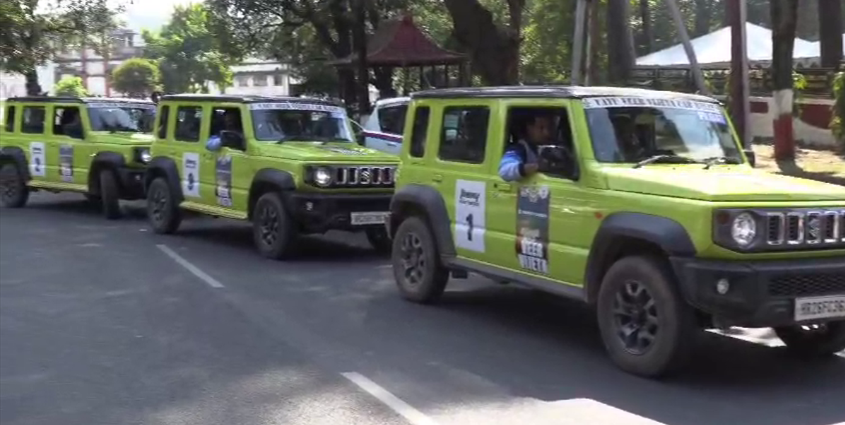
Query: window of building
x=260 y=80
x=188 y=123
x=463 y=137
x=10 y=118
x=33 y=119
x=278 y=80
x=242 y=80
x=420 y=132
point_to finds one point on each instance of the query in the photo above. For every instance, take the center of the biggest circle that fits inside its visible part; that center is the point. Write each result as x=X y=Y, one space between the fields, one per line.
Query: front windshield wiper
x=677 y=159
x=719 y=160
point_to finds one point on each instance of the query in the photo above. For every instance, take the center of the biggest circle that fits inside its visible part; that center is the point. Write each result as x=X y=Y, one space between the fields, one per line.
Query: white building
x=93 y=67
x=262 y=77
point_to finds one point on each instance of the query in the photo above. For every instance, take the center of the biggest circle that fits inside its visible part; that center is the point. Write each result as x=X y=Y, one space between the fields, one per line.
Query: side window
x=226 y=118
x=392 y=119
x=33 y=119
x=164 y=116
x=67 y=121
x=544 y=127
x=188 y=123
x=10 y=119
x=463 y=137
x=421 y=115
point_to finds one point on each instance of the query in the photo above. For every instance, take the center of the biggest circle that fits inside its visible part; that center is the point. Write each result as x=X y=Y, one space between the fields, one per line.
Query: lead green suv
x=289 y=165
x=644 y=206
x=95 y=146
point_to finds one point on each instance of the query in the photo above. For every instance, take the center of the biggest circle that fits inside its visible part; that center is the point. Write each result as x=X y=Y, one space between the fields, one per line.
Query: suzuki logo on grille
x=365 y=175
x=805 y=227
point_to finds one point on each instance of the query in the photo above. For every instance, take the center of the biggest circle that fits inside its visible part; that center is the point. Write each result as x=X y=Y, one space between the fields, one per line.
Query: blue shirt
x=511 y=168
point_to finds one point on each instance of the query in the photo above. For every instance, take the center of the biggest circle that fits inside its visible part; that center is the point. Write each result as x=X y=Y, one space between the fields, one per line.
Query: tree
x=620 y=42
x=136 y=77
x=190 y=52
x=783 y=14
x=31 y=33
x=830 y=32
x=71 y=87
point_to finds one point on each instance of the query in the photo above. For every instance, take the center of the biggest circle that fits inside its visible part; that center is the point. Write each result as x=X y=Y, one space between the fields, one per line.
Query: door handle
x=502 y=187
x=437 y=178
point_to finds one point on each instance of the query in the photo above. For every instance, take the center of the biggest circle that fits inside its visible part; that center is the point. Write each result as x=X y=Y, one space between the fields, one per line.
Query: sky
x=150 y=14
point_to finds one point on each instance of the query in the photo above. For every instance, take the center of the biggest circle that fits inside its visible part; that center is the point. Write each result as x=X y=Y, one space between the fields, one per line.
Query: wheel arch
x=268 y=179
x=164 y=167
x=624 y=234
x=102 y=161
x=422 y=200
x=16 y=156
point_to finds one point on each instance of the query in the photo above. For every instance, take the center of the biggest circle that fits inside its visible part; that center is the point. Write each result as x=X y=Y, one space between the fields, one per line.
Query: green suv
x=95 y=146
x=291 y=166
x=640 y=203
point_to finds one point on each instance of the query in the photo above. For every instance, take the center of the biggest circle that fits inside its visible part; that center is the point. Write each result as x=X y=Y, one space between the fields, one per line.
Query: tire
x=162 y=211
x=272 y=228
x=93 y=199
x=667 y=319
x=13 y=190
x=109 y=195
x=419 y=274
x=379 y=239
x=813 y=342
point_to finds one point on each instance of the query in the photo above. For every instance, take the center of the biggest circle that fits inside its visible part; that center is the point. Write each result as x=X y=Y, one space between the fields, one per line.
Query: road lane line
x=395 y=403
x=190 y=267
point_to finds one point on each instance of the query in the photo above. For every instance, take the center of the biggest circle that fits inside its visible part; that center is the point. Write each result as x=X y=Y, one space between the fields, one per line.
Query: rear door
x=385 y=128
x=33 y=131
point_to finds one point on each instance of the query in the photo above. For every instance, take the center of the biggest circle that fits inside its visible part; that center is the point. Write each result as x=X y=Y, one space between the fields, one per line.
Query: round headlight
x=146 y=156
x=744 y=229
x=323 y=177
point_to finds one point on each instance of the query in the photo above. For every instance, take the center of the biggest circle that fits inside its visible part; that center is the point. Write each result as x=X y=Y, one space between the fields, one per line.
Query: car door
x=68 y=141
x=42 y=166
x=187 y=149
x=220 y=184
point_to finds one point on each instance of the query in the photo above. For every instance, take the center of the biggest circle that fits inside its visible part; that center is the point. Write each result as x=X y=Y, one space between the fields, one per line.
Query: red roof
x=399 y=43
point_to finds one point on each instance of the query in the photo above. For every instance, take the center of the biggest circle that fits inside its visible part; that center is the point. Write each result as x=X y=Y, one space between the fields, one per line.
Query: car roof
x=243 y=98
x=393 y=101
x=86 y=100
x=566 y=92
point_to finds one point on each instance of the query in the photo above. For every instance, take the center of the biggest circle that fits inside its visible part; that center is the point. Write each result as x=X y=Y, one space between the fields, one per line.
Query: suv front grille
x=807 y=285
x=821 y=228
x=365 y=176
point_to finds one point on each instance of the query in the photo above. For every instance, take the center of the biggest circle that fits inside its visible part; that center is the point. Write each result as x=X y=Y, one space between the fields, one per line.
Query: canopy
x=715 y=48
x=818 y=46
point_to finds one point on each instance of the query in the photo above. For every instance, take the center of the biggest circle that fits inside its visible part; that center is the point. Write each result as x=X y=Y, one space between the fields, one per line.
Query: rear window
x=392 y=118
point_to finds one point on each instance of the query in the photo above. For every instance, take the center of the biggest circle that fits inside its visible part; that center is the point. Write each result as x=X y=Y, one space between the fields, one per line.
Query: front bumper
x=762 y=293
x=317 y=213
x=131 y=183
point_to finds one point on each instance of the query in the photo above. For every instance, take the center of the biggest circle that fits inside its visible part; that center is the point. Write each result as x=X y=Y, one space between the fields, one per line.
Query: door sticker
x=470 y=209
x=191 y=174
x=223 y=189
x=66 y=163
x=37 y=163
x=532 y=228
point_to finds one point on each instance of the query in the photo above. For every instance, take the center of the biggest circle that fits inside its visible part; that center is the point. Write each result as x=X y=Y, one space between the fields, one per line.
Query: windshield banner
x=631 y=101
x=104 y=105
x=297 y=106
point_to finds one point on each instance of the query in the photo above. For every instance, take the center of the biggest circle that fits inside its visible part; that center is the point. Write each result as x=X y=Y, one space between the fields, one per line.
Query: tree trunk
x=830 y=32
x=703 y=16
x=647 y=40
x=596 y=45
x=494 y=49
x=383 y=81
x=32 y=86
x=620 y=42
x=784 y=23
x=360 y=41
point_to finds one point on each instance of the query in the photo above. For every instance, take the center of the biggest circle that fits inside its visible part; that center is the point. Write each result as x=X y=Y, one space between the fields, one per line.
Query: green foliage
x=136 y=77
x=191 y=52
x=838 y=122
x=70 y=86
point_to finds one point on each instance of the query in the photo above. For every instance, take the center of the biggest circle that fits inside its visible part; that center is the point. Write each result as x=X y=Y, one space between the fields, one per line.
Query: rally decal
x=715 y=117
x=37 y=162
x=190 y=174
x=532 y=228
x=470 y=209
x=633 y=101
x=223 y=191
x=336 y=111
x=66 y=163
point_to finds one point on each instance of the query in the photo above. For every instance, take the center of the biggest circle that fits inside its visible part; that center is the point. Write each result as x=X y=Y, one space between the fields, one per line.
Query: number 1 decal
x=470 y=211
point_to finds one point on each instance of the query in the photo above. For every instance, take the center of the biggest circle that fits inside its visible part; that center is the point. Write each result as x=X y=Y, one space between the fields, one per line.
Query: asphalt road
x=106 y=323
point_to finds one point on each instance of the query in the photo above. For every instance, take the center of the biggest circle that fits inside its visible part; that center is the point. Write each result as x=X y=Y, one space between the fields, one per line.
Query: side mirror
x=752 y=157
x=232 y=140
x=557 y=160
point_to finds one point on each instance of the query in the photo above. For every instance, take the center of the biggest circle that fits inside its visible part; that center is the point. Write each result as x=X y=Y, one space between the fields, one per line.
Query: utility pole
x=363 y=71
x=578 y=42
x=685 y=40
x=737 y=14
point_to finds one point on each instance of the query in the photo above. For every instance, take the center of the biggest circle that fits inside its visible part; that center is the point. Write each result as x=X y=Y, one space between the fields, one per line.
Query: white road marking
x=190 y=267
x=395 y=403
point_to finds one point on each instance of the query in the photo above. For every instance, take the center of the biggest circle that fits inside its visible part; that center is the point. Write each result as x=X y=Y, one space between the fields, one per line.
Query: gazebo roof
x=400 y=42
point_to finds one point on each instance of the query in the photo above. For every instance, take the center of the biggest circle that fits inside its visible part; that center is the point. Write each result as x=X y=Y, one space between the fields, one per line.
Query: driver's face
x=230 y=121
x=540 y=131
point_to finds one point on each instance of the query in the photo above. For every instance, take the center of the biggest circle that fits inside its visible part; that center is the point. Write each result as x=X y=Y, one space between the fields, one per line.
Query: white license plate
x=819 y=307
x=365 y=218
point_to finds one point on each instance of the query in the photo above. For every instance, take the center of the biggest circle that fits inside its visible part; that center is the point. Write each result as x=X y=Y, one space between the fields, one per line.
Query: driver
x=520 y=158
x=630 y=146
x=231 y=122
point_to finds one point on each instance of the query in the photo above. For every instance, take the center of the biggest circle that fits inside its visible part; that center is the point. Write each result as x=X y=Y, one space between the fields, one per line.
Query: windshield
x=630 y=130
x=300 y=122
x=121 y=117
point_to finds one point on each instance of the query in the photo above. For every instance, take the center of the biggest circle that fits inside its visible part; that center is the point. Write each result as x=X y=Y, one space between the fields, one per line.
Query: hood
x=124 y=138
x=318 y=151
x=720 y=183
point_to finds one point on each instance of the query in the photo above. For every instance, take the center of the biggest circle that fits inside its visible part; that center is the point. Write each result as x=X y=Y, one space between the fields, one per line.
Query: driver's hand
x=530 y=168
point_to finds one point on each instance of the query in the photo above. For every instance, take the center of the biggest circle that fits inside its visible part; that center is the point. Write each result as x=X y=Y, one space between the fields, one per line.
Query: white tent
x=715 y=48
x=817 y=45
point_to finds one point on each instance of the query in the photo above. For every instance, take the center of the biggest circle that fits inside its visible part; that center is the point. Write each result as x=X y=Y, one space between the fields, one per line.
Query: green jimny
x=95 y=146
x=290 y=165
x=644 y=206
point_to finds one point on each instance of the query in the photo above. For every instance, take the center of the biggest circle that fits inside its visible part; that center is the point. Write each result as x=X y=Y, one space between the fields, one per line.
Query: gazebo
x=400 y=43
